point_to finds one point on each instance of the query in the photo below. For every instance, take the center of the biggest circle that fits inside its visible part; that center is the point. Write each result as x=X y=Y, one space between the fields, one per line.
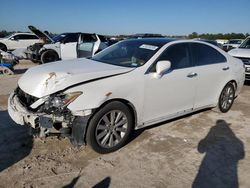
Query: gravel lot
x=205 y=149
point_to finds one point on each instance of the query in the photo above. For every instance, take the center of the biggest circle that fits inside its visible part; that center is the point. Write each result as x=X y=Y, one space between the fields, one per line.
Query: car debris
x=7 y=63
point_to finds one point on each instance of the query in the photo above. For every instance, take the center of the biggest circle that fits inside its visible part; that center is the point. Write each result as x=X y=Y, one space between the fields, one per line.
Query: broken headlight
x=57 y=103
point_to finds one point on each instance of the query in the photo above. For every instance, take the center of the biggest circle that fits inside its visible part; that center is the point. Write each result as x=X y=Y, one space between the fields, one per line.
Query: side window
x=72 y=37
x=88 y=38
x=206 y=55
x=102 y=38
x=178 y=55
x=32 y=37
x=25 y=37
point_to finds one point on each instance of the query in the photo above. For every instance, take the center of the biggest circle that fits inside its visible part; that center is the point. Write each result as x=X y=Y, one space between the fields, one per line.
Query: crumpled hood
x=240 y=52
x=49 y=78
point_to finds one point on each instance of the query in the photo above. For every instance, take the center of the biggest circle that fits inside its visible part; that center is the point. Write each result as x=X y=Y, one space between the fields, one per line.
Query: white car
x=243 y=53
x=18 y=40
x=129 y=85
x=65 y=46
x=231 y=44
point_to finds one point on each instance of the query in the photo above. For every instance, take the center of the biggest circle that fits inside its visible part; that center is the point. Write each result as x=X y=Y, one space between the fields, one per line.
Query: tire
x=49 y=56
x=226 y=98
x=104 y=136
x=3 y=47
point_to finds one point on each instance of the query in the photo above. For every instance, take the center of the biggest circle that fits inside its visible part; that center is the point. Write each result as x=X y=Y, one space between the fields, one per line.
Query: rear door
x=212 y=71
x=69 y=46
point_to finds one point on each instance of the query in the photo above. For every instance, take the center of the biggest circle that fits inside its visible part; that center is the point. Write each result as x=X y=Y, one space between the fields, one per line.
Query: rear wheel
x=3 y=47
x=49 y=56
x=110 y=128
x=226 y=98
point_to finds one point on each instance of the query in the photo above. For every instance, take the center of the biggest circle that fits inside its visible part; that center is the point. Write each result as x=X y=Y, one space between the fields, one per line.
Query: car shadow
x=15 y=142
x=222 y=151
x=72 y=183
x=19 y=71
x=103 y=184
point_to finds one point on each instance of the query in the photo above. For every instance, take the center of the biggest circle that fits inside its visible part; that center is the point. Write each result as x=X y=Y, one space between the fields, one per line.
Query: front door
x=87 y=45
x=69 y=46
x=175 y=91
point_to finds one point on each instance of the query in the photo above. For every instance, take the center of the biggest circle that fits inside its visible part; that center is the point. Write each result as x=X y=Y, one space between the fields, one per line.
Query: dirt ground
x=205 y=149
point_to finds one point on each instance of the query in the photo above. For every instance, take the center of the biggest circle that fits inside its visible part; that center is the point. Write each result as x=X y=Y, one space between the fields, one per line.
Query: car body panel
x=56 y=76
x=239 y=52
x=68 y=50
x=170 y=100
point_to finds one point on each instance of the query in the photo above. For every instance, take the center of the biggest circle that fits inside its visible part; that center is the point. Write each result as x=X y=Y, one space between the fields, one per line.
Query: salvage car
x=17 y=40
x=64 y=46
x=243 y=53
x=130 y=85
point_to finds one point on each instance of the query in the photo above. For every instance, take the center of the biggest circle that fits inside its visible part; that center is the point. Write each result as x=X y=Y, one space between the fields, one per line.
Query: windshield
x=245 y=44
x=129 y=53
x=59 y=38
x=234 y=42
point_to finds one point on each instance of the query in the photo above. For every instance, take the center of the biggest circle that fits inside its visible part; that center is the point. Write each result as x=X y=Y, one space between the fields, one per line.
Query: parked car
x=214 y=42
x=231 y=44
x=130 y=85
x=243 y=53
x=145 y=35
x=65 y=46
x=17 y=40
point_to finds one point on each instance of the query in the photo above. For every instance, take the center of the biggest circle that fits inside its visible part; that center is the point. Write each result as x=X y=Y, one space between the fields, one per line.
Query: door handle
x=225 y=68
x=192 y=74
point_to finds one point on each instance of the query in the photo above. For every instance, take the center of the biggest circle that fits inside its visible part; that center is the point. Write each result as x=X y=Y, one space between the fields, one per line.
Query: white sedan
x=130 y=85
x=17 y=41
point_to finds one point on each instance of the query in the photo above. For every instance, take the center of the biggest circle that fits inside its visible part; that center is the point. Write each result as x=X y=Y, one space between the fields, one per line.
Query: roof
x=154 y=41
x=20 y=33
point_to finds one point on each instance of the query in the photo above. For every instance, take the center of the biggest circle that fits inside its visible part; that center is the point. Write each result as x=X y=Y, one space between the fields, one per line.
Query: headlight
x=60 y=101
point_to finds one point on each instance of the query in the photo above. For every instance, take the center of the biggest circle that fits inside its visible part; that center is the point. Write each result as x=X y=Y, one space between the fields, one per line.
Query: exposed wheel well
x=45 y=51
x=4 y=47
x=127 y=103
x=48 y=50
x=234 y=83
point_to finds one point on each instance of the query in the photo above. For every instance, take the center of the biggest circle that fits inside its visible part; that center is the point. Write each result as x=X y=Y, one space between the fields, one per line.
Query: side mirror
x=162 y=67
x=12 y=38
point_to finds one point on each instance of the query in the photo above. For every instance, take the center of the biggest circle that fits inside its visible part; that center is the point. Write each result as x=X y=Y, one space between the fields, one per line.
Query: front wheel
x=226 y=98
x=110 y=128
x=49 y=56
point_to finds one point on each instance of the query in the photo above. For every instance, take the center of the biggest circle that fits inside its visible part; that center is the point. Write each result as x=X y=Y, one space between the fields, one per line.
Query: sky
x=110 y=17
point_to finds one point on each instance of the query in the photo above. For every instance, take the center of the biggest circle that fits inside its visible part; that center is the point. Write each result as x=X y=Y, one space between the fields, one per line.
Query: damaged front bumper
x=20 y=114
x=47 y=124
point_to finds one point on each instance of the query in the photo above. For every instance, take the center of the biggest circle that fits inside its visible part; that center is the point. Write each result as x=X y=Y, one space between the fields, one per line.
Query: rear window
x=72 y=37
x=88 y=38
x=206 y=55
